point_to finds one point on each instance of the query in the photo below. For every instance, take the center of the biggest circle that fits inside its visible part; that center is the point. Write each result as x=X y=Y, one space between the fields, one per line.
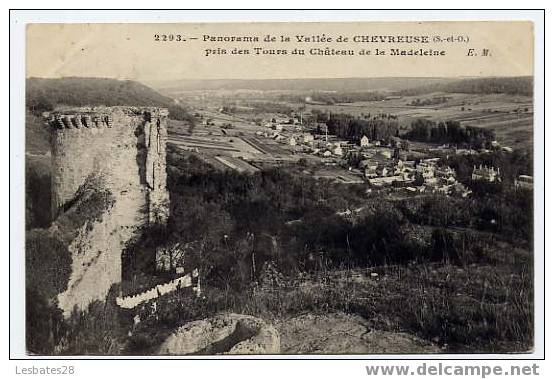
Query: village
x=392 y=165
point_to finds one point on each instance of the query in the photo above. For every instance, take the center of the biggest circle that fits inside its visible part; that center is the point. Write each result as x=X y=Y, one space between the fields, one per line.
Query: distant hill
x=399 y=85
x=323 y=84
x=521 y=85
x=45 y=94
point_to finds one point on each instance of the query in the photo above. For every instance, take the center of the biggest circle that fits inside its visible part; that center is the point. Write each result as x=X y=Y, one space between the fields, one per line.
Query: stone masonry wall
x=125 y=146
x=96 y=261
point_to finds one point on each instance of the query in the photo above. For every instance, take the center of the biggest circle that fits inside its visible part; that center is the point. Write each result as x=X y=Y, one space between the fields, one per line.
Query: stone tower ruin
x=125 y=147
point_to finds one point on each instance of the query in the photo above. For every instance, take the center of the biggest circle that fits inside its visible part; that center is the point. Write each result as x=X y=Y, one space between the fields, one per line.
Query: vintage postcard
x=280 y=188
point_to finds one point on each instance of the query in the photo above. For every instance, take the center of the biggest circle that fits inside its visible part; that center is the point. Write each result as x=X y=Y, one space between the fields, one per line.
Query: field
x=498 y=112
x=237 y=148
x=510 y=116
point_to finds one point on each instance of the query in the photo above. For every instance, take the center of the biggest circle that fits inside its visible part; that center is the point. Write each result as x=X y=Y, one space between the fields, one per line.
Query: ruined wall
x=125 y=146
x=184 y=281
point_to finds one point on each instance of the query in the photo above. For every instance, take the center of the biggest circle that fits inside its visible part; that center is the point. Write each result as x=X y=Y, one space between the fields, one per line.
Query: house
x=465 y=151
x=399 y=166
x=404 y=169
x=432 y=161
x=524 y=181
x=369 y=168
x=281 y=120
x=405 y=165
x=385 y=180
x=446 y=174
x=370 y=172
x=337 y=150
x=292 y=141
x=364 y=141
x=308 y=138
x=382 y=171
x=426 y=170
x=408 y=165
x=459 y=189
x=485 y=173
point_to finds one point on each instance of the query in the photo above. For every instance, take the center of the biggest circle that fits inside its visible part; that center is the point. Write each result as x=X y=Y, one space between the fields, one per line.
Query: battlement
x=101 y=117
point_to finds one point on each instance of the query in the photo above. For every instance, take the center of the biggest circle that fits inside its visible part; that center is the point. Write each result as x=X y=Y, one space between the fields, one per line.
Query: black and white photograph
x=280 y=189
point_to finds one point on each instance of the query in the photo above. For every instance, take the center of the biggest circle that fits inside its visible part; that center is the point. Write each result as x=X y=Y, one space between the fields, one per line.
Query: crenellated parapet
x=102 y=117
x=80 y=121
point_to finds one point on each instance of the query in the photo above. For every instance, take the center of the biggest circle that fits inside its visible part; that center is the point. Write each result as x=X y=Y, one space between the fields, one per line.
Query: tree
x=47 y=263
x=48 y=266
x=43 y=322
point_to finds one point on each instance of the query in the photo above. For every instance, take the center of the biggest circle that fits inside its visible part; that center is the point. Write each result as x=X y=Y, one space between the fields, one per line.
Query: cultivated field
x=510 y=116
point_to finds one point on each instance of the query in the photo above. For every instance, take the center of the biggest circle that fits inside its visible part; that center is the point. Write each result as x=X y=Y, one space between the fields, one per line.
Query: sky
x=130 y=51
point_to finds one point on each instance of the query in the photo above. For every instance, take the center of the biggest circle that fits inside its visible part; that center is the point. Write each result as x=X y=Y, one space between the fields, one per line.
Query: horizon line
x=295 y=78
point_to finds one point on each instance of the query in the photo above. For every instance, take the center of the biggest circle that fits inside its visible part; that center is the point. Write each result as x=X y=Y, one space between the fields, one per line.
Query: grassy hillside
x=45 y=94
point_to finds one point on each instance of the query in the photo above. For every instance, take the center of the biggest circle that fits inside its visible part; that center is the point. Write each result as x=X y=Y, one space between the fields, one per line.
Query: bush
x=47 y=271
x=43 y=322
x=98 y=330
x=47 y=263
x=37 y=198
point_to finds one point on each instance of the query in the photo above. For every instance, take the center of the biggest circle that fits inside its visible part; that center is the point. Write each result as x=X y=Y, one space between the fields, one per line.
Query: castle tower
x=126 y=148
x=125 y=145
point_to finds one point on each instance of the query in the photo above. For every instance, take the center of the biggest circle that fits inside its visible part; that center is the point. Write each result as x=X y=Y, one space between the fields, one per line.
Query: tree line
x=449 y=132
x=382 y=127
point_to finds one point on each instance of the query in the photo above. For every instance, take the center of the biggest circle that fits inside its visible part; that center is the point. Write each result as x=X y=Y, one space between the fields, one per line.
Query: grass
x=476 y=308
